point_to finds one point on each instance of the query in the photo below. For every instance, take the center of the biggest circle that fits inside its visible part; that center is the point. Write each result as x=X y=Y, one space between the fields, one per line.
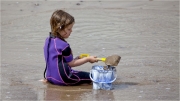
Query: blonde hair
x=59 y=21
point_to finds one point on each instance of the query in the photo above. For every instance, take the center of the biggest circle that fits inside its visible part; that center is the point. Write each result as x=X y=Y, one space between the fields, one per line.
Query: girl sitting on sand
x=58 y=54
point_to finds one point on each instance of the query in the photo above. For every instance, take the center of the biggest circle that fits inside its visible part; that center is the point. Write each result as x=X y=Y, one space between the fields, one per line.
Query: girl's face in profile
x=67 y=31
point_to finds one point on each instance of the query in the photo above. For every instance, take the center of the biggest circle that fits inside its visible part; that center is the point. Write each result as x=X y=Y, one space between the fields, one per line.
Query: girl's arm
x=78 y=62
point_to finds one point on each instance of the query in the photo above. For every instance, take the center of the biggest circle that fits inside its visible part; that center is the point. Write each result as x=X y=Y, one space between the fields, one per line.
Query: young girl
x=58 y=54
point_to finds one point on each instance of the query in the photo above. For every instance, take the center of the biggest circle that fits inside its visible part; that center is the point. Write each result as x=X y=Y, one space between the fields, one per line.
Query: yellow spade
x=86 y=55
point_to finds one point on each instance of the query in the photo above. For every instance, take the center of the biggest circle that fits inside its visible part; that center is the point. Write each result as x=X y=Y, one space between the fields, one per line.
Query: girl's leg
x=84 y=78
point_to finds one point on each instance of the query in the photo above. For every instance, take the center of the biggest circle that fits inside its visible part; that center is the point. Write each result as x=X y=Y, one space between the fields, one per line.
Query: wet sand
x=145 y=35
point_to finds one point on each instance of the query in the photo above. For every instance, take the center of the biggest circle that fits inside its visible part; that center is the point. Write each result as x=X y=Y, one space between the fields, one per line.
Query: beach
x=144 y=33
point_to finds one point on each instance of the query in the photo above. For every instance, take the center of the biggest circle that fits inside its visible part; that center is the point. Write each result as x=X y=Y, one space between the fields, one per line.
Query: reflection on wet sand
x=83 y=92
x=79 y=93
x=53 y=92
x=103 y=95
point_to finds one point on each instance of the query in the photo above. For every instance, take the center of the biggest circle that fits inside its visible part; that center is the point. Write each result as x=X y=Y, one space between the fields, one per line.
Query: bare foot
x=43 y=80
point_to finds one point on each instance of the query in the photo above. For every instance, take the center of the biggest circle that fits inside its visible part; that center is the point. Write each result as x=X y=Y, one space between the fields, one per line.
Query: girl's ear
x=60 y=26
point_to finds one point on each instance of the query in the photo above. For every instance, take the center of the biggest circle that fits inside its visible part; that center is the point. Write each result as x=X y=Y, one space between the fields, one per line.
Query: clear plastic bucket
x=103 y=78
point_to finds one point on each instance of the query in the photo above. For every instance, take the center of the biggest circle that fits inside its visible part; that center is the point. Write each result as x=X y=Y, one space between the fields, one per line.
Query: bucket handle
x=102 y=82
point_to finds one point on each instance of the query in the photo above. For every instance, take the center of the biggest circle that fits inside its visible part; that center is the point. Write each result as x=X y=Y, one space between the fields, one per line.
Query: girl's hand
x=92 y=59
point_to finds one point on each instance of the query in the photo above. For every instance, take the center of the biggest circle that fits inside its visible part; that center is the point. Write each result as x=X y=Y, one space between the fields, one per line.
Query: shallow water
x=144 y=34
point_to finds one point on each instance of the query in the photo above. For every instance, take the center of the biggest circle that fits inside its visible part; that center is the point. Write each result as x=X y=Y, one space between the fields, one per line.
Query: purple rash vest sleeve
x=64 y=48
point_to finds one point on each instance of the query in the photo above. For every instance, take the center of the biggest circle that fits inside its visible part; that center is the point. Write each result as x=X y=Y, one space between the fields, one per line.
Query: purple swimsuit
x=57 y=54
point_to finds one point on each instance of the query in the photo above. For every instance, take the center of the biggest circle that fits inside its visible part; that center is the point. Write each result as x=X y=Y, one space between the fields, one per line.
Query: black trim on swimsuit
x=67 y=51
x=66 y=70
